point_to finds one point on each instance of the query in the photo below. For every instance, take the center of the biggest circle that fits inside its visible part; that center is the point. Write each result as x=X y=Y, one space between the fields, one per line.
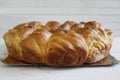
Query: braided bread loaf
x=55 y=44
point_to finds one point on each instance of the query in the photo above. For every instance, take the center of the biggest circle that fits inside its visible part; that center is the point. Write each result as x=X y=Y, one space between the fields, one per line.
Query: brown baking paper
x=108 y=61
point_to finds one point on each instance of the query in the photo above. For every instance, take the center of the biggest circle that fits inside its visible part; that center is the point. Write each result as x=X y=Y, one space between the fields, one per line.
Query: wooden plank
x=58 y=3
x=65 y=11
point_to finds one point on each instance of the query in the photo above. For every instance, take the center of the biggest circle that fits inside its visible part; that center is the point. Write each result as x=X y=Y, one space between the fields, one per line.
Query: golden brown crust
x=67 y=25
x=66 y=49
x=11 y=60
x=97 y=39
x=52 y=26
x=33 y=47
x=14 y=36
x=55 y=44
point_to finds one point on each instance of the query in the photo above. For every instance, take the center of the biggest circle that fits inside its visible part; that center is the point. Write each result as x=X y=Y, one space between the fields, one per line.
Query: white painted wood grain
x=9 y=21
x=61 y=3
x=106 y=12
x=84 y=7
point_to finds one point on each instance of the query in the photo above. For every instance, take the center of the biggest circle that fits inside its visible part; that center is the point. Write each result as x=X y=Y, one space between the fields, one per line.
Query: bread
x=55 y=44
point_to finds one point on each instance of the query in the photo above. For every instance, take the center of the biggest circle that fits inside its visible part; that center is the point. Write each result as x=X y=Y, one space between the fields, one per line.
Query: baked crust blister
x=55 y=44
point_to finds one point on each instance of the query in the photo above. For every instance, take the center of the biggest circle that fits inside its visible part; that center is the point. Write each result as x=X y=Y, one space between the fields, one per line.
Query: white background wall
x=106 y=12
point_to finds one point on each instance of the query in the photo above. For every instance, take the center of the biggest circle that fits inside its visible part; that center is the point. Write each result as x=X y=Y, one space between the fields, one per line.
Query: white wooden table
x=107 y=12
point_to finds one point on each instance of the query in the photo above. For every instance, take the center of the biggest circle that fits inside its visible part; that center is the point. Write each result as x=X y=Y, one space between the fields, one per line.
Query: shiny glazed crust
x=55 y=44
